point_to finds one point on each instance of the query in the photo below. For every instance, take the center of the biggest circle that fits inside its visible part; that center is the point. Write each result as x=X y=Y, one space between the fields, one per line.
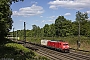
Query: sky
x=41 y=12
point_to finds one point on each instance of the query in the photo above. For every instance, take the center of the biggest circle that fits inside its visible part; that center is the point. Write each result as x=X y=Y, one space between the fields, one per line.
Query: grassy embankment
x=11 y=50
x=85 y=41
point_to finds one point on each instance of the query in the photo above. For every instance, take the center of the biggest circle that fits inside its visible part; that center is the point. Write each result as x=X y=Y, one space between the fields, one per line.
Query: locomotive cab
x=65 y=47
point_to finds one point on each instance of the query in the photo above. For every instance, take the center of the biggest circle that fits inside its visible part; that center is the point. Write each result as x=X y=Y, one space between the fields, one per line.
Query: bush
x=10 y=49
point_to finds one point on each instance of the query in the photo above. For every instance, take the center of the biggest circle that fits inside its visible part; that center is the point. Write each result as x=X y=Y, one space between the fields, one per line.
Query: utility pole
x=13 y=33
x=24 y=32
x=78 y=41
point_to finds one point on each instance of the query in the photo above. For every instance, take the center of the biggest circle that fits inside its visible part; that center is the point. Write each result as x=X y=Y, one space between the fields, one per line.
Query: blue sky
x=41 y=12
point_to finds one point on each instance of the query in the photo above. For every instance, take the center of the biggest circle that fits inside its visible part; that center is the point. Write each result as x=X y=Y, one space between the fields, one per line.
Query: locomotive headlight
x=68 y=46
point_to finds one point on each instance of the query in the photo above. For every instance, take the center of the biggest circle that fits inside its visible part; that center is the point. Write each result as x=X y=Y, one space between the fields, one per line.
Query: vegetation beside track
x=72 y=40
x=12 y=50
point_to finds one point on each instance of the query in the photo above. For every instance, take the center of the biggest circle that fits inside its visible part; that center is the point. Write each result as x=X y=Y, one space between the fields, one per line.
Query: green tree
x=42 y=32
x=36 y=31
x=74 y=28
x=87 y=29
x=52 y=30
x=28 y=33
x=46 y=30
x=5 y=17
x=62 y=26
x=81 y=20
x=20 y=33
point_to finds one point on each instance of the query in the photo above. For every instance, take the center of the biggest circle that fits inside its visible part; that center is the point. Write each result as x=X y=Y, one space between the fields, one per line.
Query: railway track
x=65 y=56
x=57 y=55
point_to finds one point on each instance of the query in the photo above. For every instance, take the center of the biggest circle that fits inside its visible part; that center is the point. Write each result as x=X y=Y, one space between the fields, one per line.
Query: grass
x=12 y=50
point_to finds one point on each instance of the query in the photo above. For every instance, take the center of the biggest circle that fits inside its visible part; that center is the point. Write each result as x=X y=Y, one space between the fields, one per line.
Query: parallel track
x=57 y=55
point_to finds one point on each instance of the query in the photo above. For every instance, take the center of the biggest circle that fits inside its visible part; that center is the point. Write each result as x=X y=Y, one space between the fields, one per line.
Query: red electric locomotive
x=59 y=45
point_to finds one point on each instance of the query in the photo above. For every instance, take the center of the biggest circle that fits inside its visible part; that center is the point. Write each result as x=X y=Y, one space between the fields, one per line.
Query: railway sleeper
x=32 y=48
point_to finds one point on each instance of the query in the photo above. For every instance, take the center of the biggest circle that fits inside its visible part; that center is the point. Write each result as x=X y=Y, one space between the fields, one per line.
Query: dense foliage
x=5 y=16
x=61 y=28
x=10 y=50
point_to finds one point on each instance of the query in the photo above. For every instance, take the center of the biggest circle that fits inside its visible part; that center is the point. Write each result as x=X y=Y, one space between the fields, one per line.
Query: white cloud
x=43 y=21
x=67 y=14
x=41 y=16
x=51 y=20
x=52 y=17
x=88 y=19
x=47 y=21
x=88 y=12
x=33 y=2
x=70 y=4
x=29 y=11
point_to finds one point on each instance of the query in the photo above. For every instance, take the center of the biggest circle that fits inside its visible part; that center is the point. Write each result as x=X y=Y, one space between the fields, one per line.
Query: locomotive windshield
x=65 y=44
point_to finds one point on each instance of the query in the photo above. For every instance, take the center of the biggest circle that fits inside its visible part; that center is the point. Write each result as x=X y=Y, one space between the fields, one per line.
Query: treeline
x=61 y=28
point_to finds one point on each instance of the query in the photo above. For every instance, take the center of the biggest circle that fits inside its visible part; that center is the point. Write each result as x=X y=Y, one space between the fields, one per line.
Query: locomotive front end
x=65 y=47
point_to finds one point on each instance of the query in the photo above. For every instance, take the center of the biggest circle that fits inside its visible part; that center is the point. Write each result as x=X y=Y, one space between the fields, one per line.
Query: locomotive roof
x=58 y=40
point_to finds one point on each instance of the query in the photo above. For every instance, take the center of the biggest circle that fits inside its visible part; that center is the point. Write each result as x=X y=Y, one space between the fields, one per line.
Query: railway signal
x=78 y=41
x=24 y=32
